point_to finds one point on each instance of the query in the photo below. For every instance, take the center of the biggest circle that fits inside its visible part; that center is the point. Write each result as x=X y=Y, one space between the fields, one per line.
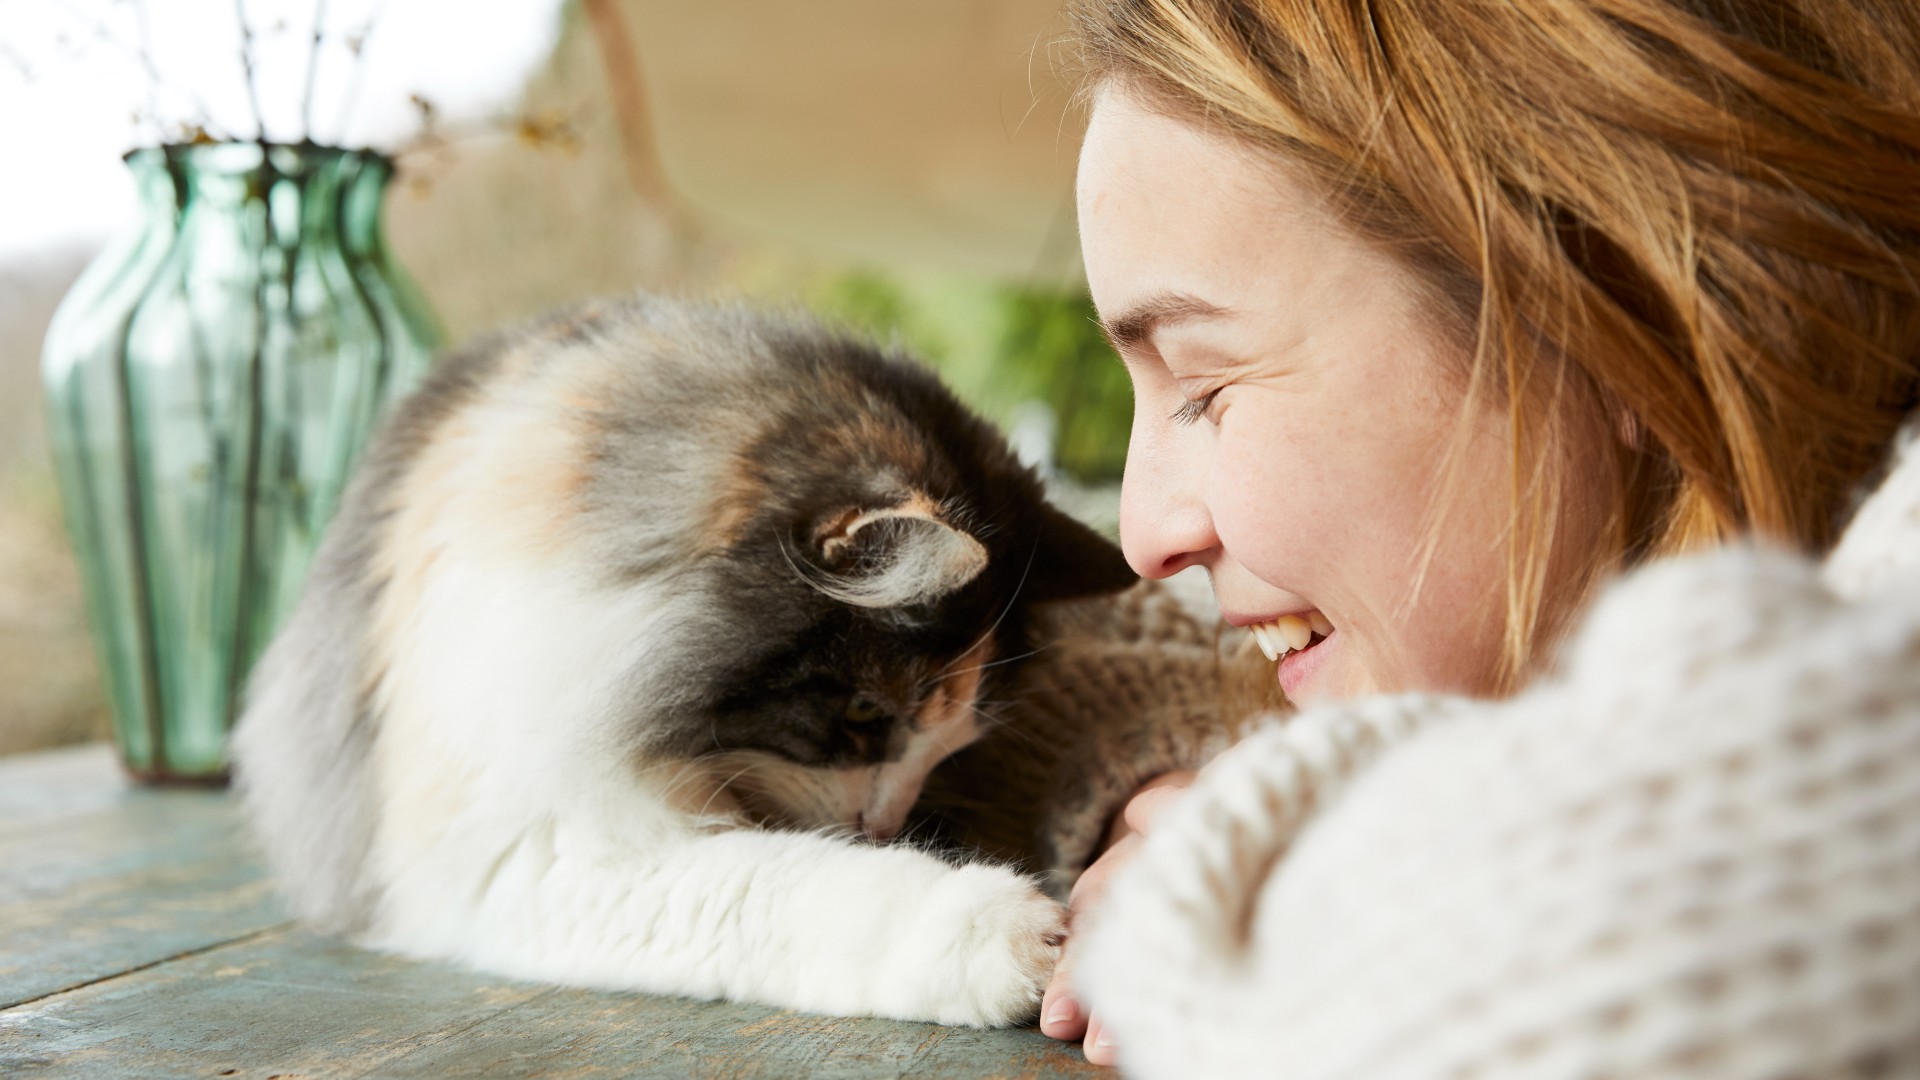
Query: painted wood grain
x=54 y=783
x=138 y=938
x=102 y=878
x=289 y=1004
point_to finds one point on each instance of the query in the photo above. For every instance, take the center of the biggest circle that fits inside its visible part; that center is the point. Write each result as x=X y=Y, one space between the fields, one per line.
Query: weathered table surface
x=139 y=938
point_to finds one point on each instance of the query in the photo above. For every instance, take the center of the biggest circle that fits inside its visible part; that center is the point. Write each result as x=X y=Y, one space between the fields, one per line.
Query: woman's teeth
x=1289 y=632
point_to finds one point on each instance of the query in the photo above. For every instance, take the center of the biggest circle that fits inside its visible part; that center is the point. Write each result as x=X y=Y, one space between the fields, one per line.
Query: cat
x=636 y=636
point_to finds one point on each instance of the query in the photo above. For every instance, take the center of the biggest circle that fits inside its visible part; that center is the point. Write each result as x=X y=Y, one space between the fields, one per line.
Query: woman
x=1440 y=316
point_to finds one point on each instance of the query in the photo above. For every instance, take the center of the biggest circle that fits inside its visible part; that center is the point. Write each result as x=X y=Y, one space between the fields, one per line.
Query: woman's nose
x=1165 y=526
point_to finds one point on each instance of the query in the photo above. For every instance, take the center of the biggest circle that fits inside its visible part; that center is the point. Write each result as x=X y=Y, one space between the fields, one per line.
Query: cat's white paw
x=1000 y=940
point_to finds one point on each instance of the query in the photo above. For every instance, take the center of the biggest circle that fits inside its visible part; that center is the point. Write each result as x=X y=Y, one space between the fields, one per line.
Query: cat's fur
x=629 y=624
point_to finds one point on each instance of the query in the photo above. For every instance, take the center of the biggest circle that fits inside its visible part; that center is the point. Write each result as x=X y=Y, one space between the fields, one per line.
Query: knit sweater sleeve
x=1882 y=543
x=1692 y=851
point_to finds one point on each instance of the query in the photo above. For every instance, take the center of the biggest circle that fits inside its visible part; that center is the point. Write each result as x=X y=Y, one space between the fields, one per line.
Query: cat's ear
x=893 y=557
x=1072 y=561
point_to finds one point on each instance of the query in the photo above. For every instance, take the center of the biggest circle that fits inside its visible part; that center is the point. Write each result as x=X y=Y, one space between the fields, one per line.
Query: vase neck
x=363 y=201
x=306 y=191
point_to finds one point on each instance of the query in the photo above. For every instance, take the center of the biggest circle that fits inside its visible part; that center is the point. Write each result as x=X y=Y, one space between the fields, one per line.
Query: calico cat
x=637 y=631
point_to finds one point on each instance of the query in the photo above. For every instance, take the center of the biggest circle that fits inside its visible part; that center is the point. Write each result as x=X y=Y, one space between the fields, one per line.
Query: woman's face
x=1292 y=414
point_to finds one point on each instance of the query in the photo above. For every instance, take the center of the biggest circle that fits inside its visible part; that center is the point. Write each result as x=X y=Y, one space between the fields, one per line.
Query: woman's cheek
x=1262 y=510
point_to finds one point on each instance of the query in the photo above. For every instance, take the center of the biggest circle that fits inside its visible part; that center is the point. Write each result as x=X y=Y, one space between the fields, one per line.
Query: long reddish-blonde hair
x=1691 y=224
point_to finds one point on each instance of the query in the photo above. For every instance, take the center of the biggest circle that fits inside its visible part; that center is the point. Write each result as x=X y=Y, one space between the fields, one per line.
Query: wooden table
x=140 y=938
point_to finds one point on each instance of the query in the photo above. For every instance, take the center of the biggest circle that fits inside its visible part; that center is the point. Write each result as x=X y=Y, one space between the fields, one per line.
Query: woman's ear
x=1073 y=561
x=892 y=557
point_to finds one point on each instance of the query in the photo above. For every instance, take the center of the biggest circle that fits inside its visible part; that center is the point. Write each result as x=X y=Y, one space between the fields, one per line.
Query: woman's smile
x=1296 y=641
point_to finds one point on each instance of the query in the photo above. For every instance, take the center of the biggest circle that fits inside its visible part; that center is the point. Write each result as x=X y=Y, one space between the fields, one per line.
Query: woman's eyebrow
x=1135 y=326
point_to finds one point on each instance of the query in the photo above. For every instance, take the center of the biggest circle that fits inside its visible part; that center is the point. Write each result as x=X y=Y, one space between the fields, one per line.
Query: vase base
x=151 y=777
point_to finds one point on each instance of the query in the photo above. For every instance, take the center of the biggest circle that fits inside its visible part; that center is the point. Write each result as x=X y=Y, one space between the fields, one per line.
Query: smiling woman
x=1295 y=409
x=1440 y=317
x=1630 y=244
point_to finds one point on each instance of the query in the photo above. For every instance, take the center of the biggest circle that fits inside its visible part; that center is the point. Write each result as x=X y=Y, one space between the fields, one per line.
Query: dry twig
x=142 y=54
x=246 y=64
x=313 y=68
x=357 y=45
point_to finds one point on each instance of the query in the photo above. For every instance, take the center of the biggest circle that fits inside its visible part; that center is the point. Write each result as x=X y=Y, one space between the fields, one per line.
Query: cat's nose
x=879 y=834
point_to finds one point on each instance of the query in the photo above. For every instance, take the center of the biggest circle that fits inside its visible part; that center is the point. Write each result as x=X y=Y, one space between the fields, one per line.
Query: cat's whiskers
x=777 y=796
x=687 y=777
x=747 y=765
x=993 y=724
x=906 y=837
x=938 y=679
x=683 y=770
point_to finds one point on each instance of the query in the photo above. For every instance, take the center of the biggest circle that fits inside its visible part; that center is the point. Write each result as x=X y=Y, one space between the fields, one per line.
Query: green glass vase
x=210 y=380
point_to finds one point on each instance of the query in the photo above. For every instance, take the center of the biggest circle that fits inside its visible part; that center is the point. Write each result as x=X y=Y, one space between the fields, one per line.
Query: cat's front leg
x=787 y=919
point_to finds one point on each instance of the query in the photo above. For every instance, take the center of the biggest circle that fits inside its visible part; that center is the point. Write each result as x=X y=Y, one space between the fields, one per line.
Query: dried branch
x=142 y=55
x=246 y=65
x=547 y=128
x=313 y=68
x=542 y=129
x=629 y=103
x=144 y=27
x=357 y=44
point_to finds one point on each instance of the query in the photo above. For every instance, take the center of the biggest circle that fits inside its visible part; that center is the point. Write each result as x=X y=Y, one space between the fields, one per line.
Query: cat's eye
x=864 y=710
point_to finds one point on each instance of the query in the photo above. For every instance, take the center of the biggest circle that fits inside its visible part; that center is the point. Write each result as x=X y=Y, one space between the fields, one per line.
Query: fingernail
x=1064 y=1012
x=1103 y=1039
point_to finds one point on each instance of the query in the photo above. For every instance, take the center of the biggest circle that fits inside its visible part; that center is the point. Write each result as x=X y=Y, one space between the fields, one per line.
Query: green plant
x=1000 y=346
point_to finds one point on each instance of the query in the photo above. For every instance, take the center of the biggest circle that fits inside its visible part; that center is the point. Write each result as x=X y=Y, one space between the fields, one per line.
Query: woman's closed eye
x=1194 y=408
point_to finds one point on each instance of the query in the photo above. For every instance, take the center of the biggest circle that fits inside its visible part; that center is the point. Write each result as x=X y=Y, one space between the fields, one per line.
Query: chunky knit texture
x=1119 y=690
x=1146 y=685
x=1694 y=850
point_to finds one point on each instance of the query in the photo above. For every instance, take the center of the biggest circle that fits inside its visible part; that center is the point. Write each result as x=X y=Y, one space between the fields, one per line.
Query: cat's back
x=303 y=747
x=611 y=442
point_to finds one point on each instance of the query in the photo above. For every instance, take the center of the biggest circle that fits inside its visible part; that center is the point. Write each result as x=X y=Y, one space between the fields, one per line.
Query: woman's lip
x=1300 y=665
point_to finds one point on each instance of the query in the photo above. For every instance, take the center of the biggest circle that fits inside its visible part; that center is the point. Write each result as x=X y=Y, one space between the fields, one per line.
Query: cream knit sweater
x=1692 y=851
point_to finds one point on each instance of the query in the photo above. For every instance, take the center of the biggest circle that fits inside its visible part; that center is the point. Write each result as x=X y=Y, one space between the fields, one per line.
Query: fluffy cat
x=635 y=630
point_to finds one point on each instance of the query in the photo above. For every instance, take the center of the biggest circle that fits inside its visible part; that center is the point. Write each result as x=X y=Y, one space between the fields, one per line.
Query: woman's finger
x=1158 y=794
x=1099 y=1046
x=1062 y=1014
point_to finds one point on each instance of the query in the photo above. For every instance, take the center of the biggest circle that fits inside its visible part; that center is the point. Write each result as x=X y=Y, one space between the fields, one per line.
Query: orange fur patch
x=958 y=689
x=496 y=482
x=742 y=491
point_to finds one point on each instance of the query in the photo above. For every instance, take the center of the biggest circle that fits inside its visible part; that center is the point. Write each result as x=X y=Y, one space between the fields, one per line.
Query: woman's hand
x=1061 y=1014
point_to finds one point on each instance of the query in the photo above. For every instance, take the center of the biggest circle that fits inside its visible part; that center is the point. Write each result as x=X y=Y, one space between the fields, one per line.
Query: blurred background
x=902 y=166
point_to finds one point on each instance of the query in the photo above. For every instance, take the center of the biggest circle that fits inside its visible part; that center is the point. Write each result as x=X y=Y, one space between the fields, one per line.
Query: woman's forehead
x=1170 y=209
x=1132 y=148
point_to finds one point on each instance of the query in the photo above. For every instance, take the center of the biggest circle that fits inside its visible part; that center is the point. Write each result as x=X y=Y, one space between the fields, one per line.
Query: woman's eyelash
x=1194 y=408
